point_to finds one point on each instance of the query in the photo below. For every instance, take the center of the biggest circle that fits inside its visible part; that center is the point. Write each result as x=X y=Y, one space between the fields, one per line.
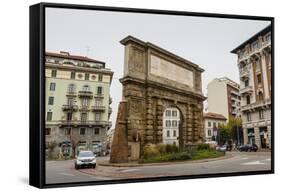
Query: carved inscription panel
x=171 y=71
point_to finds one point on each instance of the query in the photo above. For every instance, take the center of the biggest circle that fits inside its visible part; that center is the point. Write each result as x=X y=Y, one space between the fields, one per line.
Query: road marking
x=66 y=174
x=129 y=170
x=253 y=163
x=245 y=158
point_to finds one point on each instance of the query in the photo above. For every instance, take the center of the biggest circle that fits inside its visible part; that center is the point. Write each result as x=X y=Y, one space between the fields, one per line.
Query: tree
x=225 y=133
x=236 y=127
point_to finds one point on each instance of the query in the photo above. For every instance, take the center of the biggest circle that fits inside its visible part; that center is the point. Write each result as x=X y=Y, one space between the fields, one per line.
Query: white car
x=85 y=158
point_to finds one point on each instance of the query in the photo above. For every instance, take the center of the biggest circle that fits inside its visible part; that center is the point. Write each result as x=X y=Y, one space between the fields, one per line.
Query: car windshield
x=86 y=154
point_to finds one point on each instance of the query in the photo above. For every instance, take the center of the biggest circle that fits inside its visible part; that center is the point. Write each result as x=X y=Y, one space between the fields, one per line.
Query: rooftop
x=211 y=115
x=67 y=55
x=253 y=38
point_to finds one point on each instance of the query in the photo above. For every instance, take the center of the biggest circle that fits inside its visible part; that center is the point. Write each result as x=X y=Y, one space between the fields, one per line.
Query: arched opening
x=171 y=123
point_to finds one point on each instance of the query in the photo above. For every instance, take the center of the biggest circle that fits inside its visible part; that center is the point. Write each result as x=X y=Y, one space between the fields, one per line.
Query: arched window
x=260 y=96
x=71 y=88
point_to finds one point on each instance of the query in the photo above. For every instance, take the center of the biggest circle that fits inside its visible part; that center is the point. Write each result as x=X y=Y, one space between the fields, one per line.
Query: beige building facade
x=223 y=97
x=254 y=64
x=77 y=103
x=212 y=122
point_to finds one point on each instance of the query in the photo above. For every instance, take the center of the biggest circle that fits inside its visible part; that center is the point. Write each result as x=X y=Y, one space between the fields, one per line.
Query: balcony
x=88 y=94
x=235 y=92
x=246 y=90
x=99 y=96
x=68 y=107
x=259 y=104
x=84 y=108
x=90 y=123
x=244 y=74
x=98 y=108
x=70 y=93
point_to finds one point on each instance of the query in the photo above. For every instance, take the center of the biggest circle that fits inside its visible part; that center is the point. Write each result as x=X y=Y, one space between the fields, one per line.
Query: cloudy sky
x=96 y=34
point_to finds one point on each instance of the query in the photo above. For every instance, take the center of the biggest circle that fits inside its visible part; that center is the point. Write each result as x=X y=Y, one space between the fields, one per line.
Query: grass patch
x=167 y=153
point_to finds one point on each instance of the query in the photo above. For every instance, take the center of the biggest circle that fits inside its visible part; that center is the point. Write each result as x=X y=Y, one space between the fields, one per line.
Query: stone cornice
x=157 y=85
x=77 y=68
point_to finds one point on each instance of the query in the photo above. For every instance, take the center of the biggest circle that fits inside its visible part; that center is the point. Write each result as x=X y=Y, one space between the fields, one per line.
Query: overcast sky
x=96 y=34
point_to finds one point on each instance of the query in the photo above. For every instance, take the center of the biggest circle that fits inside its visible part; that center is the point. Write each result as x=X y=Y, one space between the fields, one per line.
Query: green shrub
x=161 y=148
x=150 y=151
x=203 y=146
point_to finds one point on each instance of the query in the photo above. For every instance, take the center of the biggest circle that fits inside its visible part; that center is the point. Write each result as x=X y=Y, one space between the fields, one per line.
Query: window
x=209 y=132
x=98 y=117
x=83 y=117
x=259 y=78
x=72 y=75
x=260 y=96
x=175 y=133
x=248 y=116
x=49 y=116
x=67 y=131
x=87 y=76
x=174 y=123
x=174 y=113
x=100 y=77
x=248 y=99
x=168 y=113
x=99 y=90
x=51 y=101
x=98 y=102
x=168 y=123
x=71 y=88
x=209 y=124
x=69 y=116
x=97 y=131
x=82 y=131
x=52 y=86
x=86 y=88
x=261 y=114
x=214 y=124
x=246 y=83
x=168 y=133
x=47 y=131
x=85 y=102
x=54 y=73
x=70 y=101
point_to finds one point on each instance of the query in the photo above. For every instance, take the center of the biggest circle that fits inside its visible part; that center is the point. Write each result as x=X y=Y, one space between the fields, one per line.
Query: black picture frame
x=37 y=92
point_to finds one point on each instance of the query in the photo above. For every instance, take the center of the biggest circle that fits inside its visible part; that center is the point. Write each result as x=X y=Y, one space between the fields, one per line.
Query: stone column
x=159 y=120
x=149 y=122
x=189 y=124
x=245 y=135
x=257 y=136
x=119 y=147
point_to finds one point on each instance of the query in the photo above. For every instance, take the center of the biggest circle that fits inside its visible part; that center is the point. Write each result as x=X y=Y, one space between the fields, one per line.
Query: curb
x=227 y=156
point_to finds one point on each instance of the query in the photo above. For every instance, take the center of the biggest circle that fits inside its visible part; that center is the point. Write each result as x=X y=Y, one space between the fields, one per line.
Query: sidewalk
x=137 y=164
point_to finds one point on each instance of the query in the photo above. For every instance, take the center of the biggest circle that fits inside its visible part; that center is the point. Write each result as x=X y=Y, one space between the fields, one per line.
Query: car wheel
x=94 y=165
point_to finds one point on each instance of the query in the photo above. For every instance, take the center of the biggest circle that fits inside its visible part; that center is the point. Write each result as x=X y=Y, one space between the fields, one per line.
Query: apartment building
x=223 y=97
x=77 y=103
x=254 y=63
x=211 y=123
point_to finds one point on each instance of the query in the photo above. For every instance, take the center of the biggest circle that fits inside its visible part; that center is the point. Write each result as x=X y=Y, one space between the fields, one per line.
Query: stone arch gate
x=153 y=80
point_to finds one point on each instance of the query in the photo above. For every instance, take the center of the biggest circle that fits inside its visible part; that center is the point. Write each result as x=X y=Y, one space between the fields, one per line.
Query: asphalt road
x=63 y=171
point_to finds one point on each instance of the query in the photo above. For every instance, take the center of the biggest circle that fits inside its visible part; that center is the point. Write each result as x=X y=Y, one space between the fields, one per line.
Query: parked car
x=248 y=147
x=223 y=148
x=85 y=158
x=213 y=144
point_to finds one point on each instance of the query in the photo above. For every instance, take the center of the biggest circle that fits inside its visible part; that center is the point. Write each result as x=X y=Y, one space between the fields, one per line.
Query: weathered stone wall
x=147 y=97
